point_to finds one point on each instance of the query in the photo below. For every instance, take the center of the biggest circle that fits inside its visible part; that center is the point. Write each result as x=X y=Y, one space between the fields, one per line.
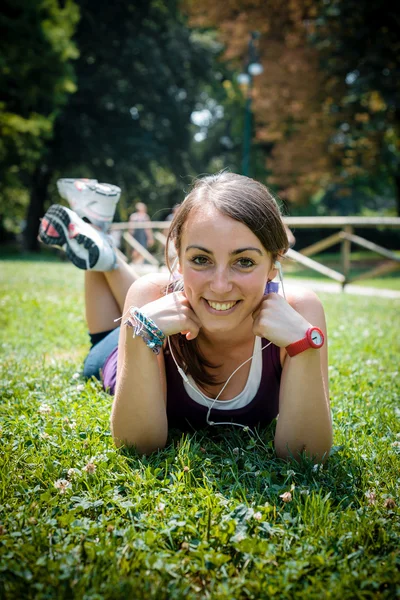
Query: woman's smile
x=221 y=308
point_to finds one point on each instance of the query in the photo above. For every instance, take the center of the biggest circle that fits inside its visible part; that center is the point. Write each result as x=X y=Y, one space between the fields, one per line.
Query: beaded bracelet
x=145 y=328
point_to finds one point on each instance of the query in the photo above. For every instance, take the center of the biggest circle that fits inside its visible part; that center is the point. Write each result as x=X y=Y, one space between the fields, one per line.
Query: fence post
x=346 y=254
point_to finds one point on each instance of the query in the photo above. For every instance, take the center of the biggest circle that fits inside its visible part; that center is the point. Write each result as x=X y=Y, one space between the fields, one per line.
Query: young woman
x=214 y=341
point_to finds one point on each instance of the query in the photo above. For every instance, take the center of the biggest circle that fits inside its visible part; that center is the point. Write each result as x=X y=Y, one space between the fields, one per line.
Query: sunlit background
x=303 y=96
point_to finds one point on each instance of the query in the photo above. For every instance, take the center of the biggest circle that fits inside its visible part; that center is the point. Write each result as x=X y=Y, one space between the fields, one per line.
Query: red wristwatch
x=314 y=338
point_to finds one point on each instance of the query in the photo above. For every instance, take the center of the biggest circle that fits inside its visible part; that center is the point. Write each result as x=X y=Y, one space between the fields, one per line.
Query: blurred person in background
x=143 y=236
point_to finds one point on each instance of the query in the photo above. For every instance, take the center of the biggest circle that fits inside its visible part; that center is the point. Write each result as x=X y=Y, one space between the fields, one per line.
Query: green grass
x=203 y=518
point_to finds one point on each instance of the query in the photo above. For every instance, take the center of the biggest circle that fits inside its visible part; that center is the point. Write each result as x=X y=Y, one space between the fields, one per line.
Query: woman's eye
x=245 y=263
x=199 y=260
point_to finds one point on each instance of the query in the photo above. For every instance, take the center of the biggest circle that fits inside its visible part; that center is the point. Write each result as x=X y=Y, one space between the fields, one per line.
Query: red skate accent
x=48 y=228
x=73 y=231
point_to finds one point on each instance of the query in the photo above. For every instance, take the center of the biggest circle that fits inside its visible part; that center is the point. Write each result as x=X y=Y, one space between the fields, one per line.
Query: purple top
x=109 y=372
x=186 y=414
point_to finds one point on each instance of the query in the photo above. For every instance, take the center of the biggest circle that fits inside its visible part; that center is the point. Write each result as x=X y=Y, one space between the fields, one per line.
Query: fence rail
x=345 y=237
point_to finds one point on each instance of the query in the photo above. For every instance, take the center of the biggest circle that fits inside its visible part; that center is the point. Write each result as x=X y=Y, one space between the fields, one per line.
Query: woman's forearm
x=304 y=422
x=138 y=416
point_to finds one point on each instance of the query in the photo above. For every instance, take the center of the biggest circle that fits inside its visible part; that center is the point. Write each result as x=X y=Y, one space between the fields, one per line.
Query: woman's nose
x=221 y=282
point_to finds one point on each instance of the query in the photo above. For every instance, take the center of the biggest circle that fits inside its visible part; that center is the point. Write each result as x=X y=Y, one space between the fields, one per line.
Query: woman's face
x=225 y=269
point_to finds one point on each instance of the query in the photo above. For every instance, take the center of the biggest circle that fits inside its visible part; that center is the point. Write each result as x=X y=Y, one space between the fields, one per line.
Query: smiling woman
x=215 y=342
x=224 y=282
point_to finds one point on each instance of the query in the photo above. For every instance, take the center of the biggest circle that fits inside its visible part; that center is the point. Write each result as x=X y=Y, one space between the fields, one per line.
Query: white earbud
x=277 y=265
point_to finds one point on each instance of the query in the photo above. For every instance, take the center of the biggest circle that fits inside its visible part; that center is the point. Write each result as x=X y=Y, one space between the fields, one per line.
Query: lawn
x=214 y=517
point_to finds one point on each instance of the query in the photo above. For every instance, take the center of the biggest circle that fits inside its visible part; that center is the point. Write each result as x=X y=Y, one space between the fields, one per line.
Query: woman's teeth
x=221 y=305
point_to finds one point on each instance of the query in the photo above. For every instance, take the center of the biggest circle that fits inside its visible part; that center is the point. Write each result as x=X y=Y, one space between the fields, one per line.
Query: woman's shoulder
x=150 y=287
x=306 y=302
x=303 y=299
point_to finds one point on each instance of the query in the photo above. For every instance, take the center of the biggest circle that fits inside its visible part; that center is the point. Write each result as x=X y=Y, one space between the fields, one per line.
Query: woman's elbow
x=143 y=445
x=147 y=447
x=317 y=452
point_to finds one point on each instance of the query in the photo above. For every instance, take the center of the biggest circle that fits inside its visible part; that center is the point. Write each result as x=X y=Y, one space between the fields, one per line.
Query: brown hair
x=244 y=200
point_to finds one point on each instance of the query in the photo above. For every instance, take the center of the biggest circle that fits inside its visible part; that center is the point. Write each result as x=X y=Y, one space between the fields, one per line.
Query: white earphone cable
x=278 y=265
x=207 y=400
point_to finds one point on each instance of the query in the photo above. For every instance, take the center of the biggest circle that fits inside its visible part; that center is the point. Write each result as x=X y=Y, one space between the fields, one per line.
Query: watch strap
x=304 y=343
x=297 y=347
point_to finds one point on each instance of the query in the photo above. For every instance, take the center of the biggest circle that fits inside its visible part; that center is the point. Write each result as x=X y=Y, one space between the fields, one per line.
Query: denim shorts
x=102 y=345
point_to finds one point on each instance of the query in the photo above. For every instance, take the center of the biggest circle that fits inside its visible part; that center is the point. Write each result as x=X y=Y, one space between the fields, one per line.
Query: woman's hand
x=173 y=314
x=278 y=322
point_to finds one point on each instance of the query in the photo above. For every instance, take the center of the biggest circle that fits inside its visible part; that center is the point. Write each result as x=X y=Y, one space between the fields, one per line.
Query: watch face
x=316 y=337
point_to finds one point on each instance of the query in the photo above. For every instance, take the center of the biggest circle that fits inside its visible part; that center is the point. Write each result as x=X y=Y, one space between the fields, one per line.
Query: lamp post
x=252 y=68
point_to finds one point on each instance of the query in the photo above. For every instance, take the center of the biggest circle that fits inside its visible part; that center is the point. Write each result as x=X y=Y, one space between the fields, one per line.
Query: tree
x=138 y=76
x=290 y=126
x=36 y=77
x=359 y=52
x=326 y=106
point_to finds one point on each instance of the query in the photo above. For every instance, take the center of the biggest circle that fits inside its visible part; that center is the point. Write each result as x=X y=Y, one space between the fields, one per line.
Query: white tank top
x=245 y=396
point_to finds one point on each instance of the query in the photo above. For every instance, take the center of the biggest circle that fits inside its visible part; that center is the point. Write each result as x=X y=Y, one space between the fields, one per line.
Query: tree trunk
x=39 y=189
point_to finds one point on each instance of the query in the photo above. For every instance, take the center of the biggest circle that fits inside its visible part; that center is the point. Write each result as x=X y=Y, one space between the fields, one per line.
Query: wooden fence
x=345 y=236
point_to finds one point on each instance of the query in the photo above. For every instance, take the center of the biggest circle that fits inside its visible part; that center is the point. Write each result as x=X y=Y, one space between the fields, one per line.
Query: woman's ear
x=274 y=270
x=276 y=266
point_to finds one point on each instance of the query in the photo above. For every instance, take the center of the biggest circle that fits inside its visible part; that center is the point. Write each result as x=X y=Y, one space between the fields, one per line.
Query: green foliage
x=140 y=72
x=359 y=54
x=133 y=70
x=217 y=129
x=36 y=77
x=205 y=516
